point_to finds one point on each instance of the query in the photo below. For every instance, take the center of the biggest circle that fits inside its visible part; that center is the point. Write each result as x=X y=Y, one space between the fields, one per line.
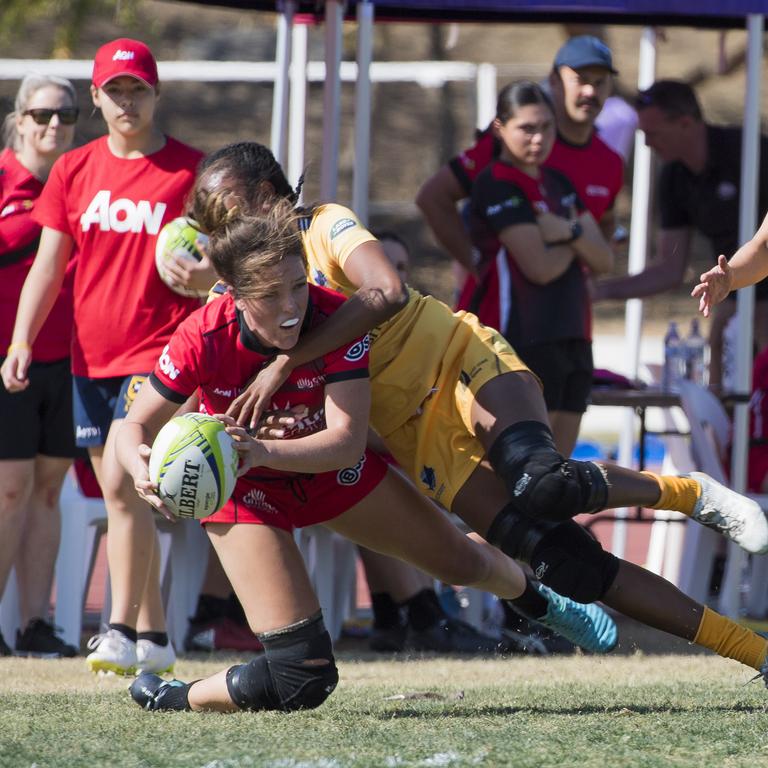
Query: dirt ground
x=414 y=129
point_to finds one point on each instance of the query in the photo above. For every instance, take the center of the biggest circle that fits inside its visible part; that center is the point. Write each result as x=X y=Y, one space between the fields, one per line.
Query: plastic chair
x=710 y=436
x=183 y=549
x=331 y=562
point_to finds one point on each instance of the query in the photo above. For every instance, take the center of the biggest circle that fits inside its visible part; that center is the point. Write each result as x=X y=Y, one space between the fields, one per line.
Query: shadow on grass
x=462 y=711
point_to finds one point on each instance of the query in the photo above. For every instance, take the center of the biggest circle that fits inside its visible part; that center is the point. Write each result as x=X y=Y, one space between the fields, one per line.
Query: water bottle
x=674 y=363
x=695 y=355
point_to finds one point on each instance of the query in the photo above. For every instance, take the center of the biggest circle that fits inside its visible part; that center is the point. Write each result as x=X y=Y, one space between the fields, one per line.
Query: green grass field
x=638 y=710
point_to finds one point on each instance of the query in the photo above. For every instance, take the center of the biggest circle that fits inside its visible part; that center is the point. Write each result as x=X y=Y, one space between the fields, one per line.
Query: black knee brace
x=562 y=555
x=541 y=483
x=297 y=670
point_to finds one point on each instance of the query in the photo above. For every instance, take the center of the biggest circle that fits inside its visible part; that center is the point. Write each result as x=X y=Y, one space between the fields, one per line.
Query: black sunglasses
x=66 y=115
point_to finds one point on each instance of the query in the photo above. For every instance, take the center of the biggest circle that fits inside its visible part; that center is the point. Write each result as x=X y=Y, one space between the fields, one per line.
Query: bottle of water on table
x=674 y=360
x=696 y=355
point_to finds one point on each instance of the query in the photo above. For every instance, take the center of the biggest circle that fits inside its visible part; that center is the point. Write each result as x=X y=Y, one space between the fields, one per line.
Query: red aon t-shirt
x=113 y=209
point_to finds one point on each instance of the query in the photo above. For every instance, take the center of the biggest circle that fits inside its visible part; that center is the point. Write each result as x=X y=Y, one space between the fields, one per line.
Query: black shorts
x=565 y=369
x=39 y=419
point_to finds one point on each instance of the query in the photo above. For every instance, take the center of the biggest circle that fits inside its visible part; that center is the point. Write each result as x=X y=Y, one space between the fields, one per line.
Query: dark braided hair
x=249 y=164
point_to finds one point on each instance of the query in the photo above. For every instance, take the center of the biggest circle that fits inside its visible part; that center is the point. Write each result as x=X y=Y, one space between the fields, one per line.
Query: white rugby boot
x=736 y=517
x=154 y=658
x=112 y=651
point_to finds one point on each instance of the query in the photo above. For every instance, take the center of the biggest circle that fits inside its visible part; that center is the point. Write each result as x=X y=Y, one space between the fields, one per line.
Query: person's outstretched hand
x=715 y=285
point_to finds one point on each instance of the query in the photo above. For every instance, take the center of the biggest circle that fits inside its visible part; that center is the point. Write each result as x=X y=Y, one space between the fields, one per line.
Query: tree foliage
x=69 y=17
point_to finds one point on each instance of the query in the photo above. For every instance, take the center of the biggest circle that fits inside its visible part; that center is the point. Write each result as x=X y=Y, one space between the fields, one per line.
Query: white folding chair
x=710 y=436
x=183 y=552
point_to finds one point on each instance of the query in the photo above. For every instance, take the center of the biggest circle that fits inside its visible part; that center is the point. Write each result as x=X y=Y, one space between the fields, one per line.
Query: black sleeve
x=501 y=204
x=672 y=213
x=763 y=180
x=166 y=392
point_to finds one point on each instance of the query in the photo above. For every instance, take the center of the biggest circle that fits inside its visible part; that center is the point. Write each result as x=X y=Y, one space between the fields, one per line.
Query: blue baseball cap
x=584 y=51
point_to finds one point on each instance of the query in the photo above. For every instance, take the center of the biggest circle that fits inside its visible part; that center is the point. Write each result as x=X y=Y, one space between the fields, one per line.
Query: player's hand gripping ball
x=194 y=465
x=179 y=237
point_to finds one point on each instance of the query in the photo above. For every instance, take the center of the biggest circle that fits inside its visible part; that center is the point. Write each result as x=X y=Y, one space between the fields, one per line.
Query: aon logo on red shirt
x=122 y=215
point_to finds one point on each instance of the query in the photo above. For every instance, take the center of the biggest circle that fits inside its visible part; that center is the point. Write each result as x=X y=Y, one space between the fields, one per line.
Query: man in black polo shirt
x=698 y=190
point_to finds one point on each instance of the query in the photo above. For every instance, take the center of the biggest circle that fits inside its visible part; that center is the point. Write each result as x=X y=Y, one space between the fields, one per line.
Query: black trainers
x=154 y=694
x=5 y=649
x=388 y=639
x=39 y=639
x=451 y=635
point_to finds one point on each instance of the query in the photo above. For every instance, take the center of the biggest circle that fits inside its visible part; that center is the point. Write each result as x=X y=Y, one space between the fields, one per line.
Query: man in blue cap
x=580 y=81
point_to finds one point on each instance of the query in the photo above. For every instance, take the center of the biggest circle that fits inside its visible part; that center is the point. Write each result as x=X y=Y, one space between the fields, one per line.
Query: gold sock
x=729 y=639
x=678 y=493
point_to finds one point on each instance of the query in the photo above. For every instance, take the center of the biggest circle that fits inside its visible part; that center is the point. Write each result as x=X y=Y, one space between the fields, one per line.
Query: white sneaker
x=112 y=651
x=735 y=516
x=155 y=658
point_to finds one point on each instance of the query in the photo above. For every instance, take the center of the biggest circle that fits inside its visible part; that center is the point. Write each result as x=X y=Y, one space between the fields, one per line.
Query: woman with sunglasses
x=37 y=439
x=105 y=204
x=466 y=420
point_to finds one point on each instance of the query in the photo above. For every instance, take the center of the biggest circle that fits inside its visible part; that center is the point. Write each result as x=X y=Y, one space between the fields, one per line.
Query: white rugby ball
x=194 y=465
x=179 y=236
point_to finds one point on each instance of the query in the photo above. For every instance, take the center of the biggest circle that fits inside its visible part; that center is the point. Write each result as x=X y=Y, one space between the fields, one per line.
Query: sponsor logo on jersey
x=121 y=55
x=122 y=215
x=428 y=477
x=510 y=202
x=359 y=350
x=318 y=278
x=166 y=364
x=258 y=500
x=597 y=190
x=522 y=484
x=310 y=382
x=85 y=433
x=726 y=190
x=342 y=225
x=225 y=392
x=351 y=475
x=23 y=205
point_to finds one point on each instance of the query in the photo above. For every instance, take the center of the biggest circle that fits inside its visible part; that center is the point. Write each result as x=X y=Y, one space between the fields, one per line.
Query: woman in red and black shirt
x=37 y=438
x=538 y=245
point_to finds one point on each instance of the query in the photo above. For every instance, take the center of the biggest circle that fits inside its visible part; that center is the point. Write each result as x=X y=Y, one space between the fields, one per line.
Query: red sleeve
x=471 y=162
x=51 y=207
x=177 y=373
x=348 y=362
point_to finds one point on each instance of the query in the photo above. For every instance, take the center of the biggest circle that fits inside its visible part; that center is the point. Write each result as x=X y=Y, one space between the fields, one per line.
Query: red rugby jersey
x=595 y=170
x=113 y=209
x=214 y=350
x=19 y=238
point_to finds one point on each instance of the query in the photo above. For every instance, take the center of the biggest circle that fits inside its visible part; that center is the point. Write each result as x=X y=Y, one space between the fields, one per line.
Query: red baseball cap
x=124 y=57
